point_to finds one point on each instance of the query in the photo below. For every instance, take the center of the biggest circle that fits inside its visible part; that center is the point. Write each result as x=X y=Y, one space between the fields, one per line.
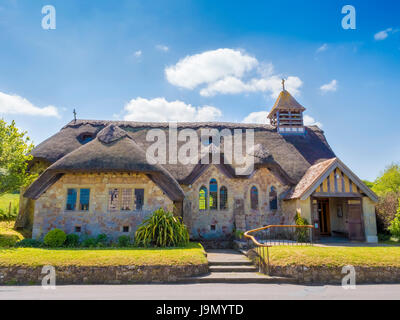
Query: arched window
x=273 y=199
x=223 y=198
x=254 y=198
x=213 y=194
x=203 y=198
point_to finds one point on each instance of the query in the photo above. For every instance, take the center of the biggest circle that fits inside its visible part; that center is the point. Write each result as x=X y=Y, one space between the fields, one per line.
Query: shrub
x=55 y=238
x=162 y=229
x=302 y=234
x=89 y=242
x=124 y=241
x=72 y=240
x=386 y=211
x=29 y=243
x=394 y=227
x=102 y=240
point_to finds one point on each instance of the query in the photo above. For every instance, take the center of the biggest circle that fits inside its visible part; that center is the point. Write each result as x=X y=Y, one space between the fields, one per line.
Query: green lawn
x=192 y=254
x=9 y=236
x=335 y=256
x=5 y=201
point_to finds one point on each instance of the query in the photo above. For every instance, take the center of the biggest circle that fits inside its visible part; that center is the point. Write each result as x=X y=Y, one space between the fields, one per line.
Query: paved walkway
x=215 y=291
x=226 y=255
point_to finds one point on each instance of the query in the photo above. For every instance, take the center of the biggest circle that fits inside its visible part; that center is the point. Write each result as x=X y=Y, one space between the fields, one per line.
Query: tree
x=389 y=181
x=15 y=147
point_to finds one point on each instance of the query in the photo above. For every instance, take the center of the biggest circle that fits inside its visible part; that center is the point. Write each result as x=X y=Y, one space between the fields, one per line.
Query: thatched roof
x=293 y=154
x=113 y=150
x=285 y=102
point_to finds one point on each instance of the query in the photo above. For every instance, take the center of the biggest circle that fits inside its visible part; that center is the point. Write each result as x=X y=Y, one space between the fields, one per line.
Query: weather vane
x=283 y=84
x=74 y=115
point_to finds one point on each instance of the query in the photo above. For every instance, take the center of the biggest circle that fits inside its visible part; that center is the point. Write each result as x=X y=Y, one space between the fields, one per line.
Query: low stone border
x=101 y=275
x=333 y=275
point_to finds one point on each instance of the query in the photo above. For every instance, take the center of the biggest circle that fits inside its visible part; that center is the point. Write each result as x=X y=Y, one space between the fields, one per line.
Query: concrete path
x=218 y=291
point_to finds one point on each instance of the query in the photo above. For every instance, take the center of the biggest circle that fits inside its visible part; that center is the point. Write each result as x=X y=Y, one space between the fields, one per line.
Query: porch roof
x=317 y=173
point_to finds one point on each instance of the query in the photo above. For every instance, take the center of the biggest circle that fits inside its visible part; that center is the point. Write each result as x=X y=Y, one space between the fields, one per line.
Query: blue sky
x=124 y=60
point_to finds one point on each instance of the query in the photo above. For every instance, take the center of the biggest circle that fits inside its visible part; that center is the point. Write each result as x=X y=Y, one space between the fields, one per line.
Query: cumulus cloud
x=228 y=71
x=137 y=54
x=159 y=109
x=208 y=67
x=329 y=87
x=310 y=121
x=257 y=117
x=322 y=48
x=382 y=35
x=162 y=47
x=13 y=104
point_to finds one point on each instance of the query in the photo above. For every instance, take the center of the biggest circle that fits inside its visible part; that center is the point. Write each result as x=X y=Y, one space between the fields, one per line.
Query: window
x=273 y=199
x=126 y=200
x=213 y=227
x=203 y=198
x=71 y=199
x=84 y=199
x=85 y=137
x=213 y=194
x=125 y=229
x=113 y=198
x=78 y=229
x=223 y=198
x=254 y=198
x=139 y=198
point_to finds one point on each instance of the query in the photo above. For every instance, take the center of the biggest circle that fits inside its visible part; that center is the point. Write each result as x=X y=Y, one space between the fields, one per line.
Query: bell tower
x=287 y=114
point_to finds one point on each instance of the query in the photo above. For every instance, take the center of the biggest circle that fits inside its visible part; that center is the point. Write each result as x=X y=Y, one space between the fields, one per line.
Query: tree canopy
x=389 y=181
x=15 y=147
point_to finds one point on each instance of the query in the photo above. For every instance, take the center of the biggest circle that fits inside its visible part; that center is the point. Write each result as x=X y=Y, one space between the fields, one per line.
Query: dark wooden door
x=324 y=217
x=355 y=223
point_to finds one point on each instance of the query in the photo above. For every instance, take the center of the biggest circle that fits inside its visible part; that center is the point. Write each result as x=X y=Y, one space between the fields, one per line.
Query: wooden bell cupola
x=287 y=114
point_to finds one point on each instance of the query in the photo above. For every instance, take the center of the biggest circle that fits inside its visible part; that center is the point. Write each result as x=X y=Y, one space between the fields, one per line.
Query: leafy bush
x=302 y=234
x=162 y=229
x=72 y=240
x=124 y=241
x=394 y=227
x=102 y=240
x=386 y=210
x=89 y=242
x=29 y=243
x=55 y=238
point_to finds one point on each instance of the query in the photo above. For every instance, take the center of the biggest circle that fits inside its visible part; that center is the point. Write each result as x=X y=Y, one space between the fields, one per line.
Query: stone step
x=236 y=277
x=244 y=268
x=231 y=263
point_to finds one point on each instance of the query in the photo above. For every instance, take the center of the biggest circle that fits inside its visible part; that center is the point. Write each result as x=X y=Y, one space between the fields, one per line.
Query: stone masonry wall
x=239 y=214
x=50 y=210
x=101 y=275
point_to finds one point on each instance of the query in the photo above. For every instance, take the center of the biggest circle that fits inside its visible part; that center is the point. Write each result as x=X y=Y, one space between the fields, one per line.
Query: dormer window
x=84 y=138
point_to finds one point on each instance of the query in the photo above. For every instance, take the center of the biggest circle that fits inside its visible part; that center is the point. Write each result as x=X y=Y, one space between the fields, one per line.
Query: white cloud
x=310 y=121
x=208 y=67
x=257 y=117
x=13 y=104
x=322 y=48
x=272 y=85
x=382 y=35
x=138 y=53
x=161 y=47
x=329 y=87
x=228 y=71
x=159 y=109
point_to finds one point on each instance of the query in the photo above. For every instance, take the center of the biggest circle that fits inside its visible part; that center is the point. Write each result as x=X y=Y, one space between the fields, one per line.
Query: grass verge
x=9 y=236
x=8 y=212
x=335 y=256
x=192 y=254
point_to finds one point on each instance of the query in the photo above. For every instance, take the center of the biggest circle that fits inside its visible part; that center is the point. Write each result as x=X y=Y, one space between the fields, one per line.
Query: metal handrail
x=260 y=252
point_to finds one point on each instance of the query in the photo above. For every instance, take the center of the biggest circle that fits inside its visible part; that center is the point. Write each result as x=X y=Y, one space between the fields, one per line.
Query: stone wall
x=101 y=275
x=239 y=214
x=50 y=210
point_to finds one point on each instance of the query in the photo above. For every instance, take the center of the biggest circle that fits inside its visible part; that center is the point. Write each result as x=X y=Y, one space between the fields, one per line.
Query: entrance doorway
x=324 y=217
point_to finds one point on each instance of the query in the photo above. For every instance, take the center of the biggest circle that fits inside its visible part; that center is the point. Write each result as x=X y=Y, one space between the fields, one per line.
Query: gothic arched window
x=223 y=198
x=203 y=198
x=213 y=194
x=254 y=198
x=273 y=199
